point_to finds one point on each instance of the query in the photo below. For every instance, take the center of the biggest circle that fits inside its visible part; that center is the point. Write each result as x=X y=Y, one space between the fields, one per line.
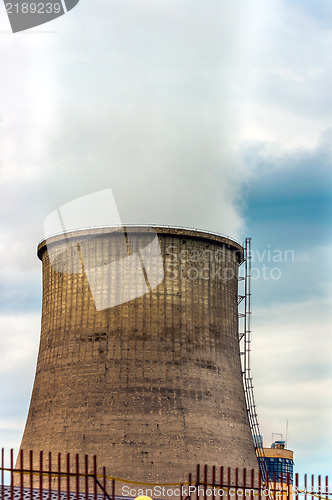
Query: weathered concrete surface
x=152 y=386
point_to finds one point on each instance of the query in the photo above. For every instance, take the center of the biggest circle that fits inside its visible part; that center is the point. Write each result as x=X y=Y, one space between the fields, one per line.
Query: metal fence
x=71 y=477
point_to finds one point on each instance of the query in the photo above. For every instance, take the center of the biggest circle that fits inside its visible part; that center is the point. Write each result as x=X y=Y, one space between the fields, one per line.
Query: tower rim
x=95 y=231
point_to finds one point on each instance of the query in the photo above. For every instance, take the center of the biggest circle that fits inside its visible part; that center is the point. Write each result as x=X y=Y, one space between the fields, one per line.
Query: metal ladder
x=244 y=342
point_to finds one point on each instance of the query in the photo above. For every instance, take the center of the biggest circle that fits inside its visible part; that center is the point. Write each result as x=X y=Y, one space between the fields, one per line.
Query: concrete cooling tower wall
x=139 y=358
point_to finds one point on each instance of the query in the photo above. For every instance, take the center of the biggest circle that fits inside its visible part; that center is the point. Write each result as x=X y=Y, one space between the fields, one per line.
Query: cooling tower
x=139 y=357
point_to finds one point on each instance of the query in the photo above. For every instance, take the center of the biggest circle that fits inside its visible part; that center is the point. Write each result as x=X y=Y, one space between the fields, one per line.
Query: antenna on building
x=277 y=434
x=286 y=432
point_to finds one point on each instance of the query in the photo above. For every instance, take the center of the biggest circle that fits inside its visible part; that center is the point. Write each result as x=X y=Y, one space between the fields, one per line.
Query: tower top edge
x=84 y=233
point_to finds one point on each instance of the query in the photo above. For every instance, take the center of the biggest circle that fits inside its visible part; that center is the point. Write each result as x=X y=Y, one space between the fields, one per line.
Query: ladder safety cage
x=244 y=331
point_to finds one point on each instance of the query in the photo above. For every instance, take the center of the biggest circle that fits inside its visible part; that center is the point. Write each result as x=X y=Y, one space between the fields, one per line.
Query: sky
x=215 y=115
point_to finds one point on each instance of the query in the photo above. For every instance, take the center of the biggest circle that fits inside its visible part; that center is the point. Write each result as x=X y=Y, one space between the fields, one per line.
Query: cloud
x=20 y=290
x=150 y=117
x=193 y=115
x=288 y=207
x=289 y=74
x=291 y=191
x=18 y=355
x=20 y=346
x=130 y=97
x=293 y=377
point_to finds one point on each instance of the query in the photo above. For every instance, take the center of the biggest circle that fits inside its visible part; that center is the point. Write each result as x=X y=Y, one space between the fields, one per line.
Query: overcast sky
x=215 y=115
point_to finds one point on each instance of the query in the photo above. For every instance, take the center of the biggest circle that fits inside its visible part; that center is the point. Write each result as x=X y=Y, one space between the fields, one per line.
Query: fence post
x=327 y=487
x=77 y=463
x=197 y=480
x=11 y=474
x=213 y=482
x=297 y=486
x=244 y=482
x=95 y=477
x=221 y=480
x=21 y=472
x=113 y=489
x=305 y=486
x=2 y=472
x=205 y=480
x=228 y=482
x=189 y=484
x=86 y=478
x=31 y=475
x=67 y=474
x=50 y=475
x=40 y=474
x=59 y=476
x=104 y=483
